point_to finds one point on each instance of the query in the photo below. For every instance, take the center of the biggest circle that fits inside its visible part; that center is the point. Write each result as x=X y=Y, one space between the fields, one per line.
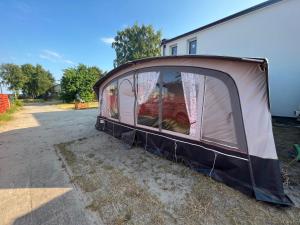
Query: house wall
x=273 y=33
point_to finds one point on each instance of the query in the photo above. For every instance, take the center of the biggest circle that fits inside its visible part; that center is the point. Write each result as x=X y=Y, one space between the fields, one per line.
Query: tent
x=210 y=112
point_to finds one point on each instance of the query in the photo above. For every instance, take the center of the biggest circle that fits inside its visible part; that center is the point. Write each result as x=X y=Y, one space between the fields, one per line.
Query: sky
x=62 y=33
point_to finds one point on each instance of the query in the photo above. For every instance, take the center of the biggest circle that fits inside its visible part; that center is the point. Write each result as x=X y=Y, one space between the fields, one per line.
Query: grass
x=116 y=198
x=92 y=105
x=8 y=115
x=69 y=156
x=119 y=197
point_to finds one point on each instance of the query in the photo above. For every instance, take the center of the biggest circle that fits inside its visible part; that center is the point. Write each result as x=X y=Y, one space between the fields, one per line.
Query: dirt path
x=34 y=188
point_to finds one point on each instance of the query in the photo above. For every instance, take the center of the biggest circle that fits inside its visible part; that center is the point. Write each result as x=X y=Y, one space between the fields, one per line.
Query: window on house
x=193 y=47
x=174 y=50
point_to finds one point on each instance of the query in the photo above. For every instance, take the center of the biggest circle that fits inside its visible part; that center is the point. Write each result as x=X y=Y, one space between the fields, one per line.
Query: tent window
x=218 y=122
x=126 y=99
x=148 y=97
x=174 y=111
x=110 y=101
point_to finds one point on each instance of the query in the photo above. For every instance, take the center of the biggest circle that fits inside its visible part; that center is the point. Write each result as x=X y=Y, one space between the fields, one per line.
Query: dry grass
x=120 y=200
x=72 y=105
x=69 y=156
x=116 y=198
x=135 y=187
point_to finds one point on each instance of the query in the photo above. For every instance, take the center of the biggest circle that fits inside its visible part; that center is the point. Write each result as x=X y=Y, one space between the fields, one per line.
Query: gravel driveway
x=34 y=188
x=111 y=184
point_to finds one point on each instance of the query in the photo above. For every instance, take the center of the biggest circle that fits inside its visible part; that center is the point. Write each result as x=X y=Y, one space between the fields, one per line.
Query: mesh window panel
x=110 y=100
x=218 y=121
x=174 y=112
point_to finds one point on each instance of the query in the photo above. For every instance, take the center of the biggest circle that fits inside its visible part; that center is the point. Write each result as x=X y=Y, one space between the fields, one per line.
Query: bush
x=79 y=80
x=8 y=115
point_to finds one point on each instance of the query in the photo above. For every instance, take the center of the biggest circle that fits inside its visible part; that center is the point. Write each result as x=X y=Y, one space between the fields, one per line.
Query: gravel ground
x=34 y=188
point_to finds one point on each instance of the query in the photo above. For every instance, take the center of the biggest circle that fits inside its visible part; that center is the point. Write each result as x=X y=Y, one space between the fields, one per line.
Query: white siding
x=273 y=33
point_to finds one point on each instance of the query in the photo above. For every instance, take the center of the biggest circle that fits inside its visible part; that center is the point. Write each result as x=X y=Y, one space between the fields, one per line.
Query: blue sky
x=59 y=34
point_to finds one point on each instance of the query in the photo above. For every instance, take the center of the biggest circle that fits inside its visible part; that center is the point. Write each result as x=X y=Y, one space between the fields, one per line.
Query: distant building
x=57 y=88
x=269 y=30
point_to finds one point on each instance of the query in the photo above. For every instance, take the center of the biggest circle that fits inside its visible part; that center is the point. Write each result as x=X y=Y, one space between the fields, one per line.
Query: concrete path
x=34 y=188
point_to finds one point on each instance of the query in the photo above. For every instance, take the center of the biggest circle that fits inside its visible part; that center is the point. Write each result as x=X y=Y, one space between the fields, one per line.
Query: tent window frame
x=224 y=77
x=137 y=72
x=118 y=103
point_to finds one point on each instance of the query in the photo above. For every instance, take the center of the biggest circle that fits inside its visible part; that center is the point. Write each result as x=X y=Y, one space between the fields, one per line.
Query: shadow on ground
x=34 y=188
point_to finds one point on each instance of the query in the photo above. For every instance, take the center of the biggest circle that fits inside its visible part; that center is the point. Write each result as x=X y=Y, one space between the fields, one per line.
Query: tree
x=79 y=80
x=28 y=71
x=38 y=80
x=13 y=77
x=136 y=42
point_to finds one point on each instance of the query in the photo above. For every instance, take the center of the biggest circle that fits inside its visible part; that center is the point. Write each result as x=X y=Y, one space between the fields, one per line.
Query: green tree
x=79 y=80
x=136 y=42
x=28 y=71
x=12 y=76
x=38 y=80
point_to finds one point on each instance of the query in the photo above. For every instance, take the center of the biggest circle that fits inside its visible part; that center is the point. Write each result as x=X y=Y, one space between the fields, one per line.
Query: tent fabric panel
x=218 y=122
x=232 y=171
x=251 y=82
x=126 y=99
x=268 y=187
x=257 y=117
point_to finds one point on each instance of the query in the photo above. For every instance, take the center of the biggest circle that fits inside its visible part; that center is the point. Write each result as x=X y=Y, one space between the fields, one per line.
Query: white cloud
x=68 y=61
x=108 y=40
x=54 y=57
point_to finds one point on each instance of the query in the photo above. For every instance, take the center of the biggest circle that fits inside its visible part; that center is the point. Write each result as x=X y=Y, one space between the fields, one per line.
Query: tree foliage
x=136 y=42
x=33 y=81
x=38 y=80
x=79 y=80
x=12 y=76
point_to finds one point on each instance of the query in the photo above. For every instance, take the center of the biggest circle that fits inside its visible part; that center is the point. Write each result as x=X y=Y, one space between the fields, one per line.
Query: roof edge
x=131 y=63
x=225 y=19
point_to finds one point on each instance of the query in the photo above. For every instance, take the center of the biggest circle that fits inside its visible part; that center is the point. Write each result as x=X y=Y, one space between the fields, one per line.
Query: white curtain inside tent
x=190 y=81
x=146 y=84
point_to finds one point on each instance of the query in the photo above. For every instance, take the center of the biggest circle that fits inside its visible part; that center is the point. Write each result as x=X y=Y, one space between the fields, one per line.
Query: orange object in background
x=81 y=105
x=4 y=103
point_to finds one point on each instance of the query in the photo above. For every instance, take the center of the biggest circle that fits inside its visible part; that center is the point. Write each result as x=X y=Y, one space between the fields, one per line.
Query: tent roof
x=132 y=63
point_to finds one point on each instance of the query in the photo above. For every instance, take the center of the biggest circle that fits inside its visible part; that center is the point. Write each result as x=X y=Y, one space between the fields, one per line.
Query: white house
x=269 y=30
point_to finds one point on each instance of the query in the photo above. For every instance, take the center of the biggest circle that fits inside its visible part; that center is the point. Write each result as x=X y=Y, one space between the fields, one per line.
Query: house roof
x=233 y=16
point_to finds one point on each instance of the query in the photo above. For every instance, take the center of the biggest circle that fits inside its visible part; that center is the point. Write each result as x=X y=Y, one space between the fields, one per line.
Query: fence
x=4 y=103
